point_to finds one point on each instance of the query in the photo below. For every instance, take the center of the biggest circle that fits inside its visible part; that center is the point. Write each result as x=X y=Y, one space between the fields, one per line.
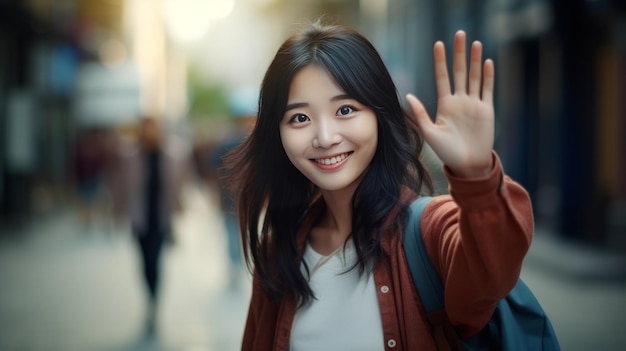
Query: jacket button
x=384 y=289
x=391 y=343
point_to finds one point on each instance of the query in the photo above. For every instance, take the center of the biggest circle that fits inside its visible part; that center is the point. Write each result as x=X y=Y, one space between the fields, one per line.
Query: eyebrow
x=305 y=104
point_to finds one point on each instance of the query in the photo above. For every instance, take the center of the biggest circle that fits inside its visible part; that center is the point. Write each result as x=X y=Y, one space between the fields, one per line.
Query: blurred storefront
x=64 y=68
x=70 y=67
x=564 y=117
x=38 y=58
x=560 y=107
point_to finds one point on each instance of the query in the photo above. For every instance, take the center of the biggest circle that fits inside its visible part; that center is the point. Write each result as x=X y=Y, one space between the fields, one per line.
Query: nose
x=327 y=134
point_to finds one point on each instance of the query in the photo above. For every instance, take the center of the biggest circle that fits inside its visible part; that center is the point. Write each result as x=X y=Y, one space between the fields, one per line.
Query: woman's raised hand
x=463 y=131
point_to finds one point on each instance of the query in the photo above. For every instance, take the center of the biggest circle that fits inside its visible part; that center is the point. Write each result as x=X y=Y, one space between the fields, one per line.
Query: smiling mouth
x=332 y=160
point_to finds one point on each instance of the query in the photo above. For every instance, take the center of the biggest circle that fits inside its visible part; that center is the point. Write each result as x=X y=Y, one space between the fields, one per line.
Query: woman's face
x=328 y=136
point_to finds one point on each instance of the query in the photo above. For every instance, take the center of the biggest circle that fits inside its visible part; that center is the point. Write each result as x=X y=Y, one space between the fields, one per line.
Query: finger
x=488 y=81
x=475 y=68
x=441 y=70
x=421 y=115
x=459 y=65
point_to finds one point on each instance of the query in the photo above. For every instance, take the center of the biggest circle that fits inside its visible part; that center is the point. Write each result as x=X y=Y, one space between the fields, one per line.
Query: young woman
x=324 y=183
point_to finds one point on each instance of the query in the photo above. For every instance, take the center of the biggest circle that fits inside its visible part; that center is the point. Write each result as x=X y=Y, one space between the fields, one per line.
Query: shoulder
x=438 y=209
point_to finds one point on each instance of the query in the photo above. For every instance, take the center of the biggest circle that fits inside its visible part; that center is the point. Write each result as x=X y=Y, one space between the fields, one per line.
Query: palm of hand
x=463 y=132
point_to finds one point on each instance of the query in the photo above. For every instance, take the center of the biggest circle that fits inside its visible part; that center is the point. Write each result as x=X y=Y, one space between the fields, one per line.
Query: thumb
x=419 y=112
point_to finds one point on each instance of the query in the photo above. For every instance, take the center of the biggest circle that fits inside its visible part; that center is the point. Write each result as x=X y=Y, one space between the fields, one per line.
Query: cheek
x=290 y=143
x=366 y=133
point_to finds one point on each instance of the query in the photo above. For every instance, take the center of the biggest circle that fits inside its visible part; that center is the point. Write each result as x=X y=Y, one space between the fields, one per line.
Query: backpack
x=517 y=324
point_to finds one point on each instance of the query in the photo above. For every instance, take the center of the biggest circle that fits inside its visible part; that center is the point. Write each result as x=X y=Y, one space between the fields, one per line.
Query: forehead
x=313 y=81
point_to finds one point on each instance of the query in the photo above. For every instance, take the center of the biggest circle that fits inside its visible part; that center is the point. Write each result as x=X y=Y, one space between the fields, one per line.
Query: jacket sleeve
x=477 y=237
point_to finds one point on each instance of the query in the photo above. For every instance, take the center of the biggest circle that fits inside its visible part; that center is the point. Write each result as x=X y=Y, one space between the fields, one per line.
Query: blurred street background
x=77 y=77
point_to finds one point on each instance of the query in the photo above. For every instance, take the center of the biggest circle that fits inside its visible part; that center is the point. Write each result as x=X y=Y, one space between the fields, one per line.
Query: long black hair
x=274 y=197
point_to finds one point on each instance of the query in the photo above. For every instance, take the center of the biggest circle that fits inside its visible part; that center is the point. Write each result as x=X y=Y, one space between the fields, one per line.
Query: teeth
x=332 y=160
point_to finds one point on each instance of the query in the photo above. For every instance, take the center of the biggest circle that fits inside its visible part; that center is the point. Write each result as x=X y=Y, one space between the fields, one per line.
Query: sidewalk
x=62 y=288
x=581 y=288
x=575 y=261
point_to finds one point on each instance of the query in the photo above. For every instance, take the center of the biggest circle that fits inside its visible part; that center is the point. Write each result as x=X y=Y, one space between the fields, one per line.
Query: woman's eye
x=300 y=118
x=345 y=110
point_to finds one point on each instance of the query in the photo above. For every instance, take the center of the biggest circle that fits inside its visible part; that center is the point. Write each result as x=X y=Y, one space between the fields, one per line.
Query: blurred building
x=560 y=66
x=560 y=100
x=39 y=55
x=67 y=66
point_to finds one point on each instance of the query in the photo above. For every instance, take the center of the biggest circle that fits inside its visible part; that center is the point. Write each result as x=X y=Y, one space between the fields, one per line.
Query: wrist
x=473 y=172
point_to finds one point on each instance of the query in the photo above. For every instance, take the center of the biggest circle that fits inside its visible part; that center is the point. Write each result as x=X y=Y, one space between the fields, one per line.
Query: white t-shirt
x=345 y=315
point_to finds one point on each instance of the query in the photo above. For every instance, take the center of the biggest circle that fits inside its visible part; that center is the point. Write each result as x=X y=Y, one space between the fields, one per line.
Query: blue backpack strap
x=425 y=278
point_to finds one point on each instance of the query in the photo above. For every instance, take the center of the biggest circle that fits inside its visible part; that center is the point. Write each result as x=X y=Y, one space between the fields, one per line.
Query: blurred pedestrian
x=324 y=184
x=147 y=188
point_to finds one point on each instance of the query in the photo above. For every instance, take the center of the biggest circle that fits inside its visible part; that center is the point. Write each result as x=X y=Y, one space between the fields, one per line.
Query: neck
x=335 y=225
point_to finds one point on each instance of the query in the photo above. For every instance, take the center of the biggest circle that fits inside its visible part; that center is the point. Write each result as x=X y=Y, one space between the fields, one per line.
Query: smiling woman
x=324 y=183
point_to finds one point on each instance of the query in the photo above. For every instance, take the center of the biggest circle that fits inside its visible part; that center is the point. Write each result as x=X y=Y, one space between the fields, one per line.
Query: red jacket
x=476 y=238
